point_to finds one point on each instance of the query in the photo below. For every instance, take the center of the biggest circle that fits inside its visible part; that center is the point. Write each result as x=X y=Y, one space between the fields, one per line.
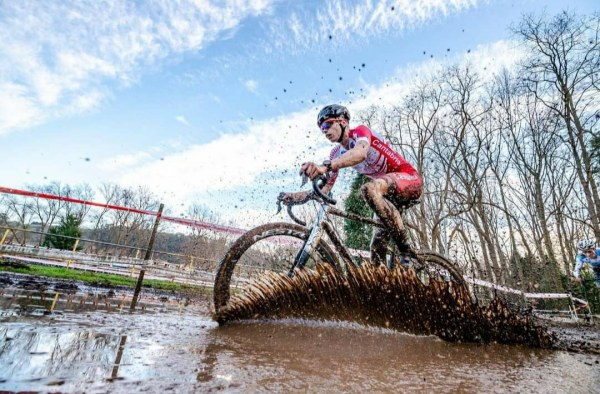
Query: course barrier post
x=76 y=245
x=4 y=237
x=138 y=285
x=54 y=302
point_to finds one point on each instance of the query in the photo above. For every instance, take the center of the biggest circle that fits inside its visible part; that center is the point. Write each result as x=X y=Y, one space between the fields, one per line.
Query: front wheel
x=270 y=247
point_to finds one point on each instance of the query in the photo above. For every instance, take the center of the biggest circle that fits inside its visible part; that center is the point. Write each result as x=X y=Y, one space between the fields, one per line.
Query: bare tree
x=46 y=210
x=126 y=227
x=205 y=246
x=19 y=211
x=562 y=72
x=417 y=120
x=110 y=193
x=82 y=192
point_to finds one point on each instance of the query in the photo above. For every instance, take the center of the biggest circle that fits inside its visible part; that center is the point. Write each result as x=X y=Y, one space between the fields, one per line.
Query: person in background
x=587 y=253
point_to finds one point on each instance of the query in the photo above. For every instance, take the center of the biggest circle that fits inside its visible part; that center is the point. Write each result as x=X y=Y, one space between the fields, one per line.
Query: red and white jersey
x=380 y=160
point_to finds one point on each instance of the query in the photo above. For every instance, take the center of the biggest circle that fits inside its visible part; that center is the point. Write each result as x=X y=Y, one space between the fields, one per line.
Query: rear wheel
x=429 y=266
x=270 y=247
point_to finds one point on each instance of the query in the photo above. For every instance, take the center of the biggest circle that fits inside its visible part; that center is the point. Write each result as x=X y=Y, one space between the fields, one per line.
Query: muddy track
x=578 y=338
x=397 y=299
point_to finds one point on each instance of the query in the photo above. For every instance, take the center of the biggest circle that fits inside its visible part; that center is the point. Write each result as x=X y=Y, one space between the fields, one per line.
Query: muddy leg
x=373 y=193
x=378 y=246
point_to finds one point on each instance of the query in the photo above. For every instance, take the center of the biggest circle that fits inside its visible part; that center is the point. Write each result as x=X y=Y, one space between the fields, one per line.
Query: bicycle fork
x=311 y=242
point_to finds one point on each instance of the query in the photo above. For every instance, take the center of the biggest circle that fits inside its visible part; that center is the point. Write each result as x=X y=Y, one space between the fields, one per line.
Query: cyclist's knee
x=373 y=189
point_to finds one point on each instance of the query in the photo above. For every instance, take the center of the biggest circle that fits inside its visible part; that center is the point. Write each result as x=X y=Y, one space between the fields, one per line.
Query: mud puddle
x=93 y=349
x=171 y=344
x=182 y=349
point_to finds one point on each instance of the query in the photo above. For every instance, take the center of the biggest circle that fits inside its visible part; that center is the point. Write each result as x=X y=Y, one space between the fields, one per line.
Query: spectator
x=588 y=253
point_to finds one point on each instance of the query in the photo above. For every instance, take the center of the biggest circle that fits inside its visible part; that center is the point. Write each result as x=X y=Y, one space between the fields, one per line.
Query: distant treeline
x=109 y=225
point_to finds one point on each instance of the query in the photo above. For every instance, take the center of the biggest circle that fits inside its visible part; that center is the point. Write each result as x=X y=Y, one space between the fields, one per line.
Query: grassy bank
x=97 y=278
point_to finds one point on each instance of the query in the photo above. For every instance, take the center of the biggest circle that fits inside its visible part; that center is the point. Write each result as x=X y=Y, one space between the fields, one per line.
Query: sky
x=214 y=103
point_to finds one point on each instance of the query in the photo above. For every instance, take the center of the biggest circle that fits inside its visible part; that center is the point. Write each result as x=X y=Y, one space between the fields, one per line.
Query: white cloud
x=58 y=56
x=16 y=108
x=236 y=160
x=251 y=85
x=62 y=57
x=120 y=162
x=181 y=119
x=349 y=22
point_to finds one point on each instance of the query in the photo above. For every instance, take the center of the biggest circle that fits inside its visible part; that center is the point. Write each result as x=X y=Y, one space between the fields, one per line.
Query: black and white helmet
x=333 y=111
x=586 y=244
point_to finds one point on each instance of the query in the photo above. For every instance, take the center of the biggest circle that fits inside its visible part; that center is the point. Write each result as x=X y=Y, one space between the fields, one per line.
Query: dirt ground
x=578 y=336
x=171 y=343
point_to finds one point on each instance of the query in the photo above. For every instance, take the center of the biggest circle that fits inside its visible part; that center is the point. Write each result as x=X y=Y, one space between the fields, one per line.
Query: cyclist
x=366 y=151
x=588 y=253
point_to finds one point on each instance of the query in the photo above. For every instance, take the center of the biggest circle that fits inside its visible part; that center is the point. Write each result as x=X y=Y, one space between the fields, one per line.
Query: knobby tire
x=227 y=265
x=436 y=259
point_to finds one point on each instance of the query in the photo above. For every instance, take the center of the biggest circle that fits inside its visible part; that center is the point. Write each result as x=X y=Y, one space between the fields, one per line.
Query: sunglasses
x=327 y=125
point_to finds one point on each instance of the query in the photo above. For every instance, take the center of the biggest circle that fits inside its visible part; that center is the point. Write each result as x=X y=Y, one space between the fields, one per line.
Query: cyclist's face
x=332 y=128
x=590 y=252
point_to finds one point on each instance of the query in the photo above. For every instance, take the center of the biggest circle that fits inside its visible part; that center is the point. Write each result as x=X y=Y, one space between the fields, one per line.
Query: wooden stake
x=54 y=302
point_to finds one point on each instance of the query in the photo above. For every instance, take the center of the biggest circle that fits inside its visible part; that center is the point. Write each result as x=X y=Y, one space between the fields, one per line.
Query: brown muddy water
x=180 y=348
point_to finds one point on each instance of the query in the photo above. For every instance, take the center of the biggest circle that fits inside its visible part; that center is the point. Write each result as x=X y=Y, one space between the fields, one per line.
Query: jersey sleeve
x=362 y=133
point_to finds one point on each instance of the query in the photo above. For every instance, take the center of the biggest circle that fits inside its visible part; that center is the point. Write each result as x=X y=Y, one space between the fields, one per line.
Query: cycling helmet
x=333 y=111
x=586 y=244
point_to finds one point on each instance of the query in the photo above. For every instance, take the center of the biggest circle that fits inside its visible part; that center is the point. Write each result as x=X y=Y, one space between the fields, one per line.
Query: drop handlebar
x=316 y=194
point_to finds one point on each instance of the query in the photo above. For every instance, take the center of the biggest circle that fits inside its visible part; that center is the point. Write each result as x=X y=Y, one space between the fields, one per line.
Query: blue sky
x=213 y=102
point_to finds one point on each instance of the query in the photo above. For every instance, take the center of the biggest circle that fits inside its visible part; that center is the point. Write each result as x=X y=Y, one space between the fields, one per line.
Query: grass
x=97 y=278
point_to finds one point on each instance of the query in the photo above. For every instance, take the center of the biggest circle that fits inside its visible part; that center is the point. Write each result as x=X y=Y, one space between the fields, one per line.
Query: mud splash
x=376 y=296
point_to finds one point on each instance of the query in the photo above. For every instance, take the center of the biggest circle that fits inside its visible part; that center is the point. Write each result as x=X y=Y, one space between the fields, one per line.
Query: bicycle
x=588 y=291
x=249 y=253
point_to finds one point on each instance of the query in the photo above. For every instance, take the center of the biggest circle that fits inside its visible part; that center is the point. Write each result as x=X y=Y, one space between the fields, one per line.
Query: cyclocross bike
x=273 y=246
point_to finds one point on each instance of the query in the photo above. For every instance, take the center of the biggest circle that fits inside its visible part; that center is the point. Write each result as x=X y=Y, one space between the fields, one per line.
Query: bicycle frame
x=313 y=239
x=322 y=223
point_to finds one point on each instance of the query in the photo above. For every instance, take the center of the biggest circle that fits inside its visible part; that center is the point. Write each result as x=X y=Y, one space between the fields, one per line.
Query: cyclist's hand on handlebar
x=312 y=170
x=290 y=198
